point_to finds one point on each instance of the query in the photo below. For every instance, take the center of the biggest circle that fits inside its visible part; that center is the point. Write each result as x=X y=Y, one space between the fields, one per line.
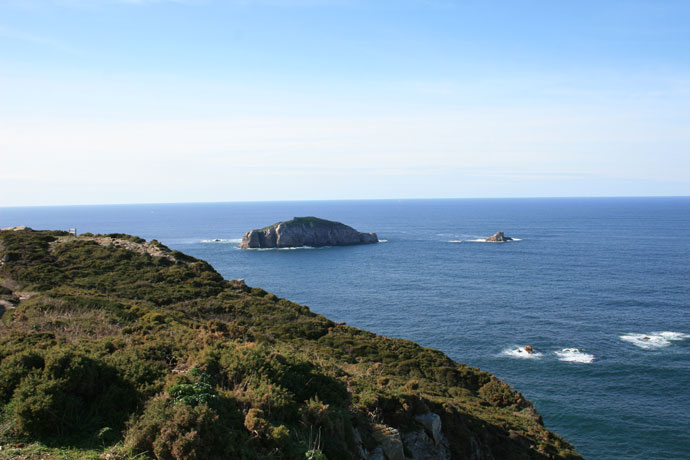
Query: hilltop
x=112 y=347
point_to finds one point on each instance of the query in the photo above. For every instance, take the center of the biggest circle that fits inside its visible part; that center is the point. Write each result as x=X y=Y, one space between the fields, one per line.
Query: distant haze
x=125 y=101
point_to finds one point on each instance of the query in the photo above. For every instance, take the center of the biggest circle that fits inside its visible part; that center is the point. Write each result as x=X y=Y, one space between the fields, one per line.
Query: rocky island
x=498 y=237
x=112 y=347
x=305 y=231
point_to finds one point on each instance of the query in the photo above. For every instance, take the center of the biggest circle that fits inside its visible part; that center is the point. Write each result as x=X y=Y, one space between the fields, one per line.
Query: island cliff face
x=305 y=231
x=113 y=347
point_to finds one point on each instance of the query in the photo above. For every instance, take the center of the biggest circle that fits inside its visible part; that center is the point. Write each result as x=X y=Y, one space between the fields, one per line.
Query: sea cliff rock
x=305 y=231
x=423 y=440
x=498 y=237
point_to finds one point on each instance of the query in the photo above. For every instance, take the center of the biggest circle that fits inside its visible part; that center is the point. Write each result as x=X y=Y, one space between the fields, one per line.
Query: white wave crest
x=223 y=240
x=521 y=353
x=483 y=240
x=574 y=355
x=298 y=248
x=674 y=335
x=655 y=339
x=383 y=241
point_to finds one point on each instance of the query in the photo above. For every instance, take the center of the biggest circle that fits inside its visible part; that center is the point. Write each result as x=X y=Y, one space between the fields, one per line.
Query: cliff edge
x=305 y=231
x=115 y=348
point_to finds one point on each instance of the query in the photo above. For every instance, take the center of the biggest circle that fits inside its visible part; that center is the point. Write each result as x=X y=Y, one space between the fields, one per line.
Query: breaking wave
x=521 y=353
x=481 y=240
x=223 y=240
x=574 y=355
x=298 y=248
x=654 y=340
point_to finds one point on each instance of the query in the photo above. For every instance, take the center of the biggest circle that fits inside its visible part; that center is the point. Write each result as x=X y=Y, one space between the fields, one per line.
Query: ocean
x=599 y=287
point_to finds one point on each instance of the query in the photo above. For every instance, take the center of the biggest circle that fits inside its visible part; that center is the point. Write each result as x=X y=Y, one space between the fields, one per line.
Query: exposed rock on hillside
x=305 y=231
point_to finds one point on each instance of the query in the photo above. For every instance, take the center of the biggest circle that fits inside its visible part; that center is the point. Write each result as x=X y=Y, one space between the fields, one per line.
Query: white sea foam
x=223 y=240
x=521 y=353
x=482 y=240
x=674 y=335
x=383 y=241
x=654 y=340
x=285 y=249
x=574 y=355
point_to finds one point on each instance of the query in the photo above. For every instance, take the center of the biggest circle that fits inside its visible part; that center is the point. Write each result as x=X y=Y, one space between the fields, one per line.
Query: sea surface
x=599 y=287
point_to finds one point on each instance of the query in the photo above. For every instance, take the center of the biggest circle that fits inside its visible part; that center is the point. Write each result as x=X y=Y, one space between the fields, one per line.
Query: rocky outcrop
x=390 y=445
x=427 y=442
x=305 y=231
x=498 y=237
x=19 y=228
x=152 y=248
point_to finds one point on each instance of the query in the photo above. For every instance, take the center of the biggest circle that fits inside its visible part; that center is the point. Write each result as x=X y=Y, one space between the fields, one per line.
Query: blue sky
x=114 y=101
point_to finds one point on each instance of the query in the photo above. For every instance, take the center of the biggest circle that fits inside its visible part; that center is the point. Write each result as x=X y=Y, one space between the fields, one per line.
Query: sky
x=145 y=101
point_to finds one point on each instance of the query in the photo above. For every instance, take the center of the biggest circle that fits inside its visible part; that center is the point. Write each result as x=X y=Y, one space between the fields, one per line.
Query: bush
x=499 y=394
x=72 y=394
x=122 y=236
x=315 y=413
x=195 y=392
x=171 y=431
x=255 y=422
x=14 y=368
x=333 y=422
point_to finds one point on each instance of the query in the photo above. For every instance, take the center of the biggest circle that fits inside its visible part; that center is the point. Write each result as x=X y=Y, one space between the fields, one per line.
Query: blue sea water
x=597 y=275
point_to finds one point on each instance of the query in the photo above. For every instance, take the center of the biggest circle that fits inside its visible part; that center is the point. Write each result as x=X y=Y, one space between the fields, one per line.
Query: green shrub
x=171 y=431
x=280 y=434
x=255 y=422
x=315 y=413
x=275 y=400
x=14 y=368
x=123 y=236
x=333 y=422
x=198 y=391
x=141 y=367
x=72 y=394
x=499 y=394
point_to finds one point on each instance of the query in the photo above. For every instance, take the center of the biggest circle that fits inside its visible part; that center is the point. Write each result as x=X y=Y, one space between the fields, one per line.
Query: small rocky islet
x=498 y=237
x=305 y=231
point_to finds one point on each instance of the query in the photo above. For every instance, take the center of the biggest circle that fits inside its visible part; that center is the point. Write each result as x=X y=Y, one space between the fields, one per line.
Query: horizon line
x=340 y=200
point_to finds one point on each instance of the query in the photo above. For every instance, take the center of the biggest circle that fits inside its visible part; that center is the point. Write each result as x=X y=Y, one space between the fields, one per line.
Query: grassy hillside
x=115 y=348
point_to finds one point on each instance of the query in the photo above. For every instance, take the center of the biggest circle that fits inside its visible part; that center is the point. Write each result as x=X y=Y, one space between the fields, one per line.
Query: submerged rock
x=498 y=237
x=305 y=231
